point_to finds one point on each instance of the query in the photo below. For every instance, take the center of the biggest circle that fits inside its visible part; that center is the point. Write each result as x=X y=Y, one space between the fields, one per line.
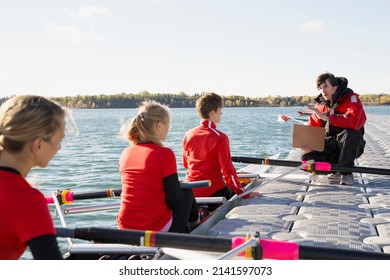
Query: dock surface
x=316 y=213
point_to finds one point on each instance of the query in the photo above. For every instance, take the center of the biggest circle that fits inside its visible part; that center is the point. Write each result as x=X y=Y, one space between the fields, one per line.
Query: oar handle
x=195 y=184
x=67 y=196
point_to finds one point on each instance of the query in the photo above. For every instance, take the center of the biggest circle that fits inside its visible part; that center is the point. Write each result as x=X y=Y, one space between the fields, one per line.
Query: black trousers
x=225 y=192
x=186 y=212
x=341 y=149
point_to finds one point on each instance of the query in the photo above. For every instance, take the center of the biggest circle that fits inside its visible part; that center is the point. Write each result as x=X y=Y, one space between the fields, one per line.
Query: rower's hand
x=310 y=106
x=255 y=194
x=314 y=109
x=318 y=112
x=252 y=195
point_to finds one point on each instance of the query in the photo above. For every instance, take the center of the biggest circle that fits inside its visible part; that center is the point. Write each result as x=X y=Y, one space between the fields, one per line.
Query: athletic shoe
x=346 y=179
x=192 y=225
x=203 y=214
x=334 y=178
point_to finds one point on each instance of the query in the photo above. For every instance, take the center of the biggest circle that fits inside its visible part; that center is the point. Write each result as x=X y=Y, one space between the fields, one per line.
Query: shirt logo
x=353 y=99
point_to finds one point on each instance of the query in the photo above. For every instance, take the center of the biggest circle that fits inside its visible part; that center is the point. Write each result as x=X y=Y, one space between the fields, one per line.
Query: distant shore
x=182 y=100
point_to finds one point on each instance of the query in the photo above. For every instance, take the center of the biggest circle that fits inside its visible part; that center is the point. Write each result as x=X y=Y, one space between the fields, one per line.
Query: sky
x=251 y=48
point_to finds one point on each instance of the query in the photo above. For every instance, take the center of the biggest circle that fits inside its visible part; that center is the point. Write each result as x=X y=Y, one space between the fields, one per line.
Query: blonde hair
x=140 y=128
x=25 y=118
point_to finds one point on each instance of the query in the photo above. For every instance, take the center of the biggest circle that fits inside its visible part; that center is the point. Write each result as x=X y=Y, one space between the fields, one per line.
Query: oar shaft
x=319 y=166
x=324 y=253
x=360 y=169
x=116 y=205
x=67 y=196
x=95 y=194
x=271 y=180
x=266 y=161
x=150 y=238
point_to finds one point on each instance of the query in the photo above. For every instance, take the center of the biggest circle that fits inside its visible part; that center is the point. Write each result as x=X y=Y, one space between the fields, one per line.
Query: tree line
x=182 y=100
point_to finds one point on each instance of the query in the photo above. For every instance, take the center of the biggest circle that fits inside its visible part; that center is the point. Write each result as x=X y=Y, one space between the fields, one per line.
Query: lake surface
x=88 y=161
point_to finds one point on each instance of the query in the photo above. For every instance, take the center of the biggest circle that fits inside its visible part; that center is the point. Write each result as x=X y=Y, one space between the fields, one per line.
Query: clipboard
x=305 y=135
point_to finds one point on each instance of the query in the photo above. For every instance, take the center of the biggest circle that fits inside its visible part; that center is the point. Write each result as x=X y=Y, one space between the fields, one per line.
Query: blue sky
x=244 y=47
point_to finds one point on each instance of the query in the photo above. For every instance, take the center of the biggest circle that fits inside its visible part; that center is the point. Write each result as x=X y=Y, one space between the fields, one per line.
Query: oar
x=317 y=166
x=305 y=112
x=303 y=165
x=284 y=118
x=270 y=249
x=67 y=196
x=116 y=205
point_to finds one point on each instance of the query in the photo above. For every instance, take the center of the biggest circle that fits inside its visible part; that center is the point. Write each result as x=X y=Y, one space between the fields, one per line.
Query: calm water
x=88 y=161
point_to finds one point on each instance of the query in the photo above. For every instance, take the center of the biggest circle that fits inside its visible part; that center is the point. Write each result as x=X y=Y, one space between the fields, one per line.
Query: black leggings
x=186 y=212
x=225 y=192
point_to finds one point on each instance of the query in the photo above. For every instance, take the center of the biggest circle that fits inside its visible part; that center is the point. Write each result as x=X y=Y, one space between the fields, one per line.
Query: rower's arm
x=45 y=247
x=172 y=191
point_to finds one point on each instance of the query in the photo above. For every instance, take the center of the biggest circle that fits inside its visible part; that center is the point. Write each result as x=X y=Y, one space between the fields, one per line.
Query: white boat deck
x=315 y=213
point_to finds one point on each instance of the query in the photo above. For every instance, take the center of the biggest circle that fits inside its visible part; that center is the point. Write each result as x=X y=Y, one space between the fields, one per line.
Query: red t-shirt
x=24 y=215
x=206 y=155
x=142 y=169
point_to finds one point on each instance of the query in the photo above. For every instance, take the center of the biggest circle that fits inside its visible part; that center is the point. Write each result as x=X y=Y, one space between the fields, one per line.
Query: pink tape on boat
x=305 y=167
x=68 y=198
x=279 y=250
x=323 y=166
x=272 y=249
x=237 y=241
